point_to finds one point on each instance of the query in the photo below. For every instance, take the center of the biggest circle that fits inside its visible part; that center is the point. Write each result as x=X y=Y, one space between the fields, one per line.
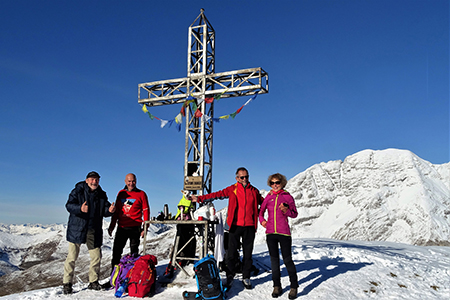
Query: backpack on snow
x=120 y=271
x=208 y=279
x=142 y=276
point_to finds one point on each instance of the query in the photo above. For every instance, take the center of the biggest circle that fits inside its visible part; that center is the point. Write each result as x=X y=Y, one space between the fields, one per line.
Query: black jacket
x=79 y=222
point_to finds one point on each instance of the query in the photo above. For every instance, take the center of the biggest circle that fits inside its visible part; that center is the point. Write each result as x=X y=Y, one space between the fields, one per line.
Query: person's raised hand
x=112 y=208
x=84 y=207
x=283 y=208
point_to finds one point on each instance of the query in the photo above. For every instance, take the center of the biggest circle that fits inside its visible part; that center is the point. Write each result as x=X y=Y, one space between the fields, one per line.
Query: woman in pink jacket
x=280 y=205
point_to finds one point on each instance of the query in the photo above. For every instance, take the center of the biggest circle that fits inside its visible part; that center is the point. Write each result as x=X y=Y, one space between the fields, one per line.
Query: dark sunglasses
x=244 y=177
x=275 y=182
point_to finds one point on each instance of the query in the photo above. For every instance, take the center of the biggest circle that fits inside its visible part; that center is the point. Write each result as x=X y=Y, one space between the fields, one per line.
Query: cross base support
x=205 y=231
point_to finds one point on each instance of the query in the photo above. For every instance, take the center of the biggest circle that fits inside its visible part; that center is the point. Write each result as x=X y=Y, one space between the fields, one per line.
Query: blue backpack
x=208 y=279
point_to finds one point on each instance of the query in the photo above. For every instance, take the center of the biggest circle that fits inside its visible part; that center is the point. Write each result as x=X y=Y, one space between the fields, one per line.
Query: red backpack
x=142 y=276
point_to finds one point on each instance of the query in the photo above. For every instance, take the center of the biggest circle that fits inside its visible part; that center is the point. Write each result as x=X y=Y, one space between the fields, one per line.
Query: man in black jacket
x=87 y=205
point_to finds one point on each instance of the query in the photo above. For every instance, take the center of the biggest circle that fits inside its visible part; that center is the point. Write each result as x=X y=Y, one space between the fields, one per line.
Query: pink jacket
x=278 y=222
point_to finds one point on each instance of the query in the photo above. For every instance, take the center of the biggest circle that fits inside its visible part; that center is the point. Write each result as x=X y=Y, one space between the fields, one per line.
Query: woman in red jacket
x=280 y=205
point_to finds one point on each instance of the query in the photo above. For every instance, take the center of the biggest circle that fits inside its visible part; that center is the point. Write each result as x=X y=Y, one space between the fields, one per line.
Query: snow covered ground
x=327 y=269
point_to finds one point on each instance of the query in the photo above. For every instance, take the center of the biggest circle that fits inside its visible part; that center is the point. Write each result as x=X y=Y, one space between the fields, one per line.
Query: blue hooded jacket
x=80 y=222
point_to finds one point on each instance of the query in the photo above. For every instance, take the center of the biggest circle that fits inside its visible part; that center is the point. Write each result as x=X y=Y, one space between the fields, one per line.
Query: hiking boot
x=107 y=285
x=94 y=286
x=247 y=283
x=277 y=291
x=67 y=288
x=293 y=293
x=254 y=270
x=230 y=279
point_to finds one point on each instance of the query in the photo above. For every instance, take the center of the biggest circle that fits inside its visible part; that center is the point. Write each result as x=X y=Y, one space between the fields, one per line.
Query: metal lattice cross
x=202 y=82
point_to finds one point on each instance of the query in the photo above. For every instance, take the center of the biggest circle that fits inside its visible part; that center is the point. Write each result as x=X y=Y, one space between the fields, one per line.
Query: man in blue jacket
x=87 y=205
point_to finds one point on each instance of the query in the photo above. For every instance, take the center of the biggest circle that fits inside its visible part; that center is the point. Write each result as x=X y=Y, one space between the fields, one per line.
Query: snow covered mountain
x=390 y=195
x=32 y=256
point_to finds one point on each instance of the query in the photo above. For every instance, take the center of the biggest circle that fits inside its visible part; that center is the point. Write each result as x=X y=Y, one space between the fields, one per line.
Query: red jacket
x=131 y=208
x=243 y=203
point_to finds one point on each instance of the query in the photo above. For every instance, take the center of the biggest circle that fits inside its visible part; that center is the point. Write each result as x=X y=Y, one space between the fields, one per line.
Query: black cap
x=92 y=174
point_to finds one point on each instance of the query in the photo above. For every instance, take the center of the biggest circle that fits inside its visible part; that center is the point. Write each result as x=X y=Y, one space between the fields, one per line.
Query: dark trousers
x=247 y=234
x=285 y=242
x=185 y=232
x=122 y=235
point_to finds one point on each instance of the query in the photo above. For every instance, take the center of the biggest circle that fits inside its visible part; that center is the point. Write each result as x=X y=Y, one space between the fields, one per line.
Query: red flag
x=198 y=113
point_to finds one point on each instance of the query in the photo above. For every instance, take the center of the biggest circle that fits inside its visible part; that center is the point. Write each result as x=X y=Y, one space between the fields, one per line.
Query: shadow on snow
x=328 y=268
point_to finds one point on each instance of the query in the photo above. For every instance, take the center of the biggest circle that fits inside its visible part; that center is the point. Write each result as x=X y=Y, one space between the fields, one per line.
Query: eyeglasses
x=244 y=177
x=275 y=182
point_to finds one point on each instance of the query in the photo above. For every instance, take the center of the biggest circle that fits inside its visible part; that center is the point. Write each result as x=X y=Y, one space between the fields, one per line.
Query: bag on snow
x=191 y=296
x=208 y=279
x=120 y=271
x=142 y=276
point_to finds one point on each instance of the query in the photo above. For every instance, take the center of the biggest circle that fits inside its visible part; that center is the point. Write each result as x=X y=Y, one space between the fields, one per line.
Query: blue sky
x=344 y=76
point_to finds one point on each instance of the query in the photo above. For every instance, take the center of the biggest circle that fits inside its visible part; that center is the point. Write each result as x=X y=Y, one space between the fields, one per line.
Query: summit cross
x=202 y=82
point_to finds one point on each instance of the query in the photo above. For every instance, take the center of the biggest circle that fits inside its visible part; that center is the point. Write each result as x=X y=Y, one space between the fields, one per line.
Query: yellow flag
x=144 y=108
x=178 y=118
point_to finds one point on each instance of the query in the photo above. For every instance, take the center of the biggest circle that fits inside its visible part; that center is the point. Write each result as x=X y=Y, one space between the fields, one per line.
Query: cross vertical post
x=199 y=131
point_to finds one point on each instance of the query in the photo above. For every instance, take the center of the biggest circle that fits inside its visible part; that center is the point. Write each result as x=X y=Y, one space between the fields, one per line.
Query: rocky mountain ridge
x=389 y=195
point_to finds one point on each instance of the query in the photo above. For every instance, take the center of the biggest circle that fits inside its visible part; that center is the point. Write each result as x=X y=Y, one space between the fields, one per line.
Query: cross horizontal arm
x=230 y=84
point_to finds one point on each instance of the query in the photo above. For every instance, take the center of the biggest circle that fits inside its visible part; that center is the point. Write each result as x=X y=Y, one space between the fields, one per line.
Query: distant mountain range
x=388 y=195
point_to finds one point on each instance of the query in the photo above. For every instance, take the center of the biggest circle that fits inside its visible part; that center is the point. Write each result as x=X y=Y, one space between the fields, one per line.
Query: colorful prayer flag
x=198 y=113
x=206 y=118
x=200 y=100
x=179 y=118
x=251 y=99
